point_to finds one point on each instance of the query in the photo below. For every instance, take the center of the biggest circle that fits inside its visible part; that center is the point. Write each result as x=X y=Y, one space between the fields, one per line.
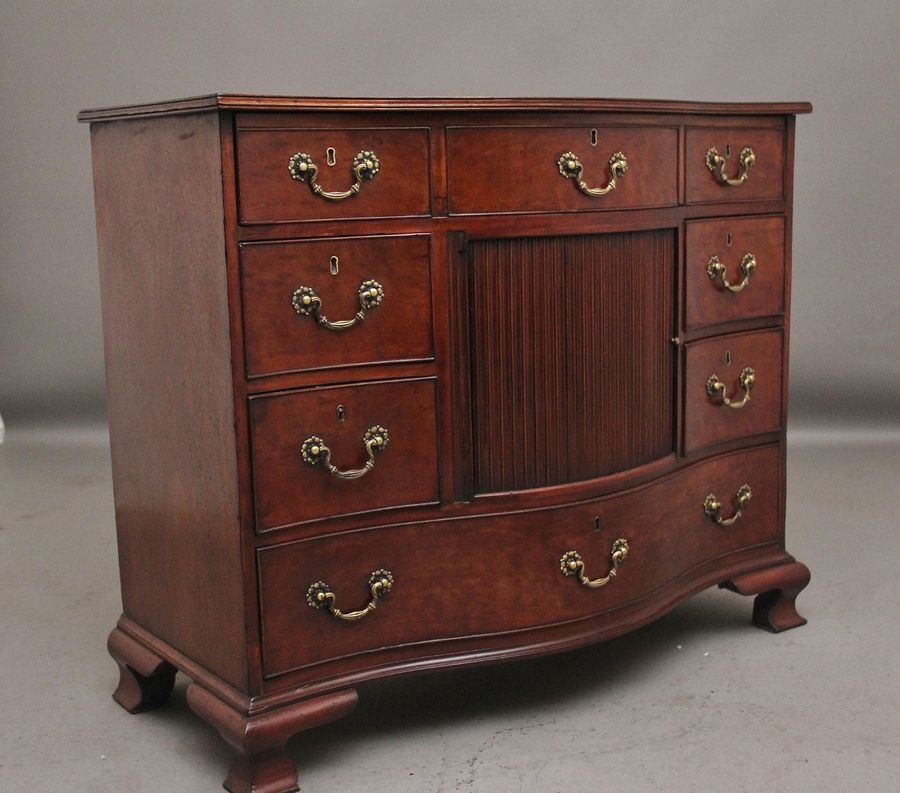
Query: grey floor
x=698 y=701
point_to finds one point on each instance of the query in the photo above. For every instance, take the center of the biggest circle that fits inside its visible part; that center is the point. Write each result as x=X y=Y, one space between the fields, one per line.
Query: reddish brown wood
x=203 y=236
x=262 y=765
x=706 y=419
x=279 y=340
x=776 y=589
x=288 y=490
x=766 y=177
x=268 y=193
x=158 y=190
x=568 y=337
x=502 y=574
x=707 y=302
x=515 y=169
x=466 y=104
x=145 y=679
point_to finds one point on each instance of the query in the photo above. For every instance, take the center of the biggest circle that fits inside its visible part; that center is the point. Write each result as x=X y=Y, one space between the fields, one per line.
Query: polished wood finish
x=145 y=679
x=776 y=590
x=540 y=361
x=278 y=340
x=168 y=372
x=268 y=194
x=288 y=490
x=515 y=169
x=706 y=419
x=569 y=336
x=262 y=765
x=502 y=574
x=469 y=104
x=766 y=178
x=706 y=301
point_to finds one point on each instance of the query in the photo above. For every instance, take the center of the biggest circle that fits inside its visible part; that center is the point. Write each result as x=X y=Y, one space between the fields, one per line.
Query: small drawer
x=285 y=174
x=343 y=450
x=718 y=167
x=733 y=387
x=522 y=169
x=735 y=270
x=343 y=301
x=491 y=575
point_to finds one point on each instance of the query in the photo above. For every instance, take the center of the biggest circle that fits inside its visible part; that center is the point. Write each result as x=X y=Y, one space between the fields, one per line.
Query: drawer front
x=491 y=575
x=290 y=431
x=735 y=270
x=707 y=417
x=517 y=169
x=764 y=180
x=299 y=296
x=269 y=193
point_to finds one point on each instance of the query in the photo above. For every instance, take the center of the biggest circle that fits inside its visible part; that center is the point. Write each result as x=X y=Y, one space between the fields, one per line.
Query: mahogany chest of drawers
x=398 y=385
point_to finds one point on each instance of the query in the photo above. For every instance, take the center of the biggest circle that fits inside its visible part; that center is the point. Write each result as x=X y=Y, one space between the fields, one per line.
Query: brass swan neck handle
x=321 y=596
x=715 y=388
x=364 y=167
x=314 y=451
x=307 y=303
x=716 y=164
x=571 y=168
x=572 y=565
x=712 y=507
x=716 y=272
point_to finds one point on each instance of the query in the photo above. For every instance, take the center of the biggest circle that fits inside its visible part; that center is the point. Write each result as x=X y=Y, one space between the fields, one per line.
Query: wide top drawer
x=297 y=174
x=553 y=169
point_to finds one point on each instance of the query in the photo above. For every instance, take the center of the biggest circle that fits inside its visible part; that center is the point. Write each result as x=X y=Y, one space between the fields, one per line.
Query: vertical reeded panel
x=572 y=360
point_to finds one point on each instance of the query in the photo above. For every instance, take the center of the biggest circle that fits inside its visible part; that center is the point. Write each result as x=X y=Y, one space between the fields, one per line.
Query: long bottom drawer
x=488 y=575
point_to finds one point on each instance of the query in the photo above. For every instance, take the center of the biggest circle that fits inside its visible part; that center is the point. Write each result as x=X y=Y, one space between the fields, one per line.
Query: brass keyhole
x=728 y=357
x=728 y=239
x=334 y=265
x=597 y=525
x=330 y=157
x=341 y=413
x=593 y=137
x=728 y=150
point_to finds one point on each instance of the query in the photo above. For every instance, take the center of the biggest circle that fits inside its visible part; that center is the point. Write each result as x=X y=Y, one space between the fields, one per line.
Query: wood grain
x=569 y=338
x=706 y=419
x=708 y=303
x=491 y=576
x=278 y=340
x=161 y=248
x=515 y=169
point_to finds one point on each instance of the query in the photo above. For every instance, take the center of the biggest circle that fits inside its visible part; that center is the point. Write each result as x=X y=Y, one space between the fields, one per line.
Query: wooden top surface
x=245 y=102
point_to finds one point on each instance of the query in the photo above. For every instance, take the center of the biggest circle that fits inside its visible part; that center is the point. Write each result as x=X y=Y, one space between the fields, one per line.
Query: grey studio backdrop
x=58 y=57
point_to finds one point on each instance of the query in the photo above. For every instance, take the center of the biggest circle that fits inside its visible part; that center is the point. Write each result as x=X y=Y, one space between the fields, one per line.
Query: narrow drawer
x=735 y=270
x=491 y=575
x=274 y=186
x=729 y=369
x=736 y=180
x=344 y=301
x=520 y=169
x=293 y=433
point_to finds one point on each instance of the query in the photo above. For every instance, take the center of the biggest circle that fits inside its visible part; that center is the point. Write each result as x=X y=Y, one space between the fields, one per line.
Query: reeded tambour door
x=572 y=361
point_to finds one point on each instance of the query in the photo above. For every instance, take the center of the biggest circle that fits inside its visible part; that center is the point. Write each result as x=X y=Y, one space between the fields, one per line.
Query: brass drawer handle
x=716 y=272
x=314 y=451
x=306 y=302
x=571 y=168
x=716 y=164
x=320 y=596
x=713 y=507
x=572 y=564
x=716 y=388
x=365 y=166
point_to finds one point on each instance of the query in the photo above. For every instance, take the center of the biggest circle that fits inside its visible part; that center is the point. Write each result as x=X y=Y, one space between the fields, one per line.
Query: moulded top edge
x=247 y=102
